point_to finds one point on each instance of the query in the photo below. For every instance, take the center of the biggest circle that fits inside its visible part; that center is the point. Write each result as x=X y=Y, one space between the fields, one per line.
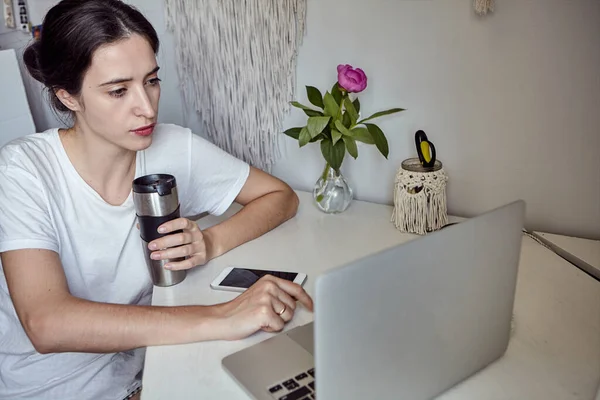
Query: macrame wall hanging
x=482 y=7
x=237 y=66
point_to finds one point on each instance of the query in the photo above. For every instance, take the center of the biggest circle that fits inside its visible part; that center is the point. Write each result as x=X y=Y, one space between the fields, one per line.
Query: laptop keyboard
x=299 y=387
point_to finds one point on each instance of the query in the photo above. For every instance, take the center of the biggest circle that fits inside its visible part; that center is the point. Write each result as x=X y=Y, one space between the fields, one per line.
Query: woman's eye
x=118 y=93
x=153 y=81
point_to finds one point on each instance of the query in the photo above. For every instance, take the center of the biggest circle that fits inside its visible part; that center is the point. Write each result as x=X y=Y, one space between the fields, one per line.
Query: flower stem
x=325 y=171
x=344 y=94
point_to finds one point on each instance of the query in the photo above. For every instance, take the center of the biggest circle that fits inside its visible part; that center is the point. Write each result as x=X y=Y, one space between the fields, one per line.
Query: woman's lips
x=144 y=131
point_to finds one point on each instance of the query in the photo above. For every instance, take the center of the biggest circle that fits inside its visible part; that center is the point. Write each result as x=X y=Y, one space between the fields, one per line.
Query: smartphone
x=238 y=279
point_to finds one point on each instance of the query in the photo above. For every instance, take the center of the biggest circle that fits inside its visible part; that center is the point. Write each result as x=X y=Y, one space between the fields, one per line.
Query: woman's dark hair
x=71 y=32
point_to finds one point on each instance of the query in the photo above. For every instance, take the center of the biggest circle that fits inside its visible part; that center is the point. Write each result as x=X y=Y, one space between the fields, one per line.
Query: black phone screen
x=244 y=278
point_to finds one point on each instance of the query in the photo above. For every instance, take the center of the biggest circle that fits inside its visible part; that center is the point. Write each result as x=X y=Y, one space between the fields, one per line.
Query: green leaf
x=331 y=107
x=333 y=154
x=320 y=136
x=362 y=135
x=351 y=110
x=346 y=120
x=335 y=136
x=337 y=93
x=379 y=139
x=313 y=113
x=303 y=137
x=307 y=110
x=316 y=125
x=381 y=114
x=350 y=146
x=293 y=132
x=314 y=96
x=342 y=128
x=356 y=104
x=301 y=106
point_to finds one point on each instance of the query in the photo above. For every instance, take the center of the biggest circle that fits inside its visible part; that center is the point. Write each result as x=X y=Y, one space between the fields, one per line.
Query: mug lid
x=155 y=183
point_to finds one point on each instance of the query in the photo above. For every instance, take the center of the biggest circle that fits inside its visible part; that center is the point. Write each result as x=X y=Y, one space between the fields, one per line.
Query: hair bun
x=31 y=58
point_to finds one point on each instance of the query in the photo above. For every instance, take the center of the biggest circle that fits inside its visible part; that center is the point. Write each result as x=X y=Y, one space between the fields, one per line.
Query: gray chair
x=15 y=115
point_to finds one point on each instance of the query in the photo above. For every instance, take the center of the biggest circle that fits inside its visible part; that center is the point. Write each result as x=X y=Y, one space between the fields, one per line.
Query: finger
x=188 y=263
x=273 y=290
x=271 y=322
x=282 y=309
x=175 y=239
x=292 y=289
x=272 y=285
x=177 y=252
x=177 y=224
x=272 y=329
x=285 y=298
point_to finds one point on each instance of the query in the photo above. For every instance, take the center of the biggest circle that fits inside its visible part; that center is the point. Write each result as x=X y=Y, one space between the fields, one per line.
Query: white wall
x=510 y=100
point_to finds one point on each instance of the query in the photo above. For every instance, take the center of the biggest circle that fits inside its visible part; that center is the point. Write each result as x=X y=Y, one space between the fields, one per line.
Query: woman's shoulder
x=175 y=139
x=168 y=140
x=29 y=150
x=174 y=133
x=169 y=133
x=176 y=148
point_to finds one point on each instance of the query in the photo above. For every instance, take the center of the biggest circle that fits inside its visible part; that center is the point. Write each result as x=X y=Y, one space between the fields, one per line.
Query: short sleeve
x=25 y=222
x=216 y=177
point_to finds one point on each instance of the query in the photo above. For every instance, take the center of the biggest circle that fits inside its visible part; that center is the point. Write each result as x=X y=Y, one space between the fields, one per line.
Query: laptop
x=409 y=322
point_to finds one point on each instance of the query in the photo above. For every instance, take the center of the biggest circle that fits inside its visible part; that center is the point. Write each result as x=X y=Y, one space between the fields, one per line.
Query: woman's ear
x=68 y=100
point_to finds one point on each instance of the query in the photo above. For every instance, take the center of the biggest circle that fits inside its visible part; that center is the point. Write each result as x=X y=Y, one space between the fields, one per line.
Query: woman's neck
x=107 y=168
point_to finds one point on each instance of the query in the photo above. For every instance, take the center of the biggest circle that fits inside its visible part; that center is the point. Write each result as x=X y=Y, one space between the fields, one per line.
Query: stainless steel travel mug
x=156 y=202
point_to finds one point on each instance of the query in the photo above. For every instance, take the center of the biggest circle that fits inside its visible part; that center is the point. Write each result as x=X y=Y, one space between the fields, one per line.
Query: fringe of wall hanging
x=482 y=7
x=237 y=66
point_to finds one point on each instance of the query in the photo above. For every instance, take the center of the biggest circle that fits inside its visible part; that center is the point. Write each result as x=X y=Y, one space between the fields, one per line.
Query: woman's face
x=120 y=93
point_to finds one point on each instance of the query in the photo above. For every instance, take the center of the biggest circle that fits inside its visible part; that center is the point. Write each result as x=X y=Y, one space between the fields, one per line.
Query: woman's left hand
x=190 y=243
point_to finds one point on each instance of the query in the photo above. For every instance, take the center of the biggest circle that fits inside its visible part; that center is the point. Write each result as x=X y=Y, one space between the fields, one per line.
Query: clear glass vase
x=332 y=192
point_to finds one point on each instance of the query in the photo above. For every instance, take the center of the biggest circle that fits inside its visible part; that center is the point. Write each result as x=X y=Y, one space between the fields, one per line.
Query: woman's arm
x=268 y=202
x=56 y=321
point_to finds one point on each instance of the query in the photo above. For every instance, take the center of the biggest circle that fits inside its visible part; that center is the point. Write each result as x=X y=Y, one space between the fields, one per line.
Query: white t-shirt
x=44 y=203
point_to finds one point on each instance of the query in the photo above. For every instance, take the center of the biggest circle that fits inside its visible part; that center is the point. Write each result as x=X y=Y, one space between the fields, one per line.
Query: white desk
x=553 y=354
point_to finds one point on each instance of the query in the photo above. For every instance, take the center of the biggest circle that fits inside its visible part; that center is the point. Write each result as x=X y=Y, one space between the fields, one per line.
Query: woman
x=75 y=293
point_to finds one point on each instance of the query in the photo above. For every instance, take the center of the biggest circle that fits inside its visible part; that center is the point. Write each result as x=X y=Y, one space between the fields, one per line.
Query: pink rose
x=350 y=79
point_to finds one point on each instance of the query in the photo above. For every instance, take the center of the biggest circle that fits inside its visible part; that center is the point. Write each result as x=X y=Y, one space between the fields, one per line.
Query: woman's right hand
x=267 y=305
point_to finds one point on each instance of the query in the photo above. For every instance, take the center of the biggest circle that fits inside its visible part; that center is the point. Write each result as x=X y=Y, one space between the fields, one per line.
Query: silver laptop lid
x=414 y=320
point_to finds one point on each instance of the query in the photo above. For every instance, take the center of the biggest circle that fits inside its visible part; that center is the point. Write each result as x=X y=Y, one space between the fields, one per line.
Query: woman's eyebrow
x=122 y=80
